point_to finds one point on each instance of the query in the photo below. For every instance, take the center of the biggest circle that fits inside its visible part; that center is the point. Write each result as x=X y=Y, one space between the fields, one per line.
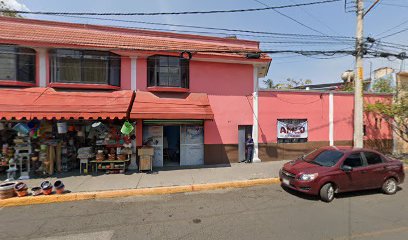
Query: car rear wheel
x=327 y=192
x=390 y=186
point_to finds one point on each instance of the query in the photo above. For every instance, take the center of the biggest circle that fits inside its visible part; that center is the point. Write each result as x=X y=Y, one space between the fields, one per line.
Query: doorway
x=171 y=145
x=243 y=132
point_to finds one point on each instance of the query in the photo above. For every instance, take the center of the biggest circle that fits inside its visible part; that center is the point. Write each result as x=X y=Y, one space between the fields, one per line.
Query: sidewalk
x=166 y=177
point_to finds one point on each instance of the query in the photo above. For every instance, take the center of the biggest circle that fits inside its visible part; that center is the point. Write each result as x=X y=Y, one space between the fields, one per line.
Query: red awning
x=48 y=104
x=149 y=105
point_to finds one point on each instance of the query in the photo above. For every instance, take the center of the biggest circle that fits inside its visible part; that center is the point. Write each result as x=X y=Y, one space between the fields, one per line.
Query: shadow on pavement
x=339 y=195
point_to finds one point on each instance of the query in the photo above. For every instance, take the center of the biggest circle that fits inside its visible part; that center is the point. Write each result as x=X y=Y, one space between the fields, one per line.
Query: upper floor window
x=167 y=71
x=17 y=64
x=85 y=67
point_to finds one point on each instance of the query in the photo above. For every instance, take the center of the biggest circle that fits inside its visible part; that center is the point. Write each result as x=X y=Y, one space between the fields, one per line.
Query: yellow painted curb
x=69 y=197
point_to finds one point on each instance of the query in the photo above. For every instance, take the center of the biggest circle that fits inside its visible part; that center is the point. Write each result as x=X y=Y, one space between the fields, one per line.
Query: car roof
x=347 y=149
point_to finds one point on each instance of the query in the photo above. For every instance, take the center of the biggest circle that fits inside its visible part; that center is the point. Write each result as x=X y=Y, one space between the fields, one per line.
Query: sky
x=325 y=19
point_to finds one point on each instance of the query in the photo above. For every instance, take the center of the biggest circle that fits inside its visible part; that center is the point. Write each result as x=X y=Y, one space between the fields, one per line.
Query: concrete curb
x=69 y=197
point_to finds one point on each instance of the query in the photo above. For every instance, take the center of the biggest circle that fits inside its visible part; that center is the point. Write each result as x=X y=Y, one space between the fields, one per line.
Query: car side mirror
x=346 y=168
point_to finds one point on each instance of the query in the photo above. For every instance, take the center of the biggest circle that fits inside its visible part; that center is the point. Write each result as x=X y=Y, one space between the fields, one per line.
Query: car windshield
x=323 y=157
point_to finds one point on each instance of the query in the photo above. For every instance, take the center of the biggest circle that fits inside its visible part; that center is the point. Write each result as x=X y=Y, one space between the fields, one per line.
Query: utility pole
x=358 y=81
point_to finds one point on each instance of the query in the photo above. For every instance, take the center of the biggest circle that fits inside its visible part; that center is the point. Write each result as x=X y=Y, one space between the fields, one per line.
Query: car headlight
x=308 y=177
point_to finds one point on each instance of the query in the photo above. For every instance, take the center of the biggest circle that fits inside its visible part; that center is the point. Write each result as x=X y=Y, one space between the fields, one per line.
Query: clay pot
x=7 y=190
x=21 y=189
x=47 y=191
x=36 y=191
x=46 y=187
x=20 y=186
x=22 y=193
x=59 y=187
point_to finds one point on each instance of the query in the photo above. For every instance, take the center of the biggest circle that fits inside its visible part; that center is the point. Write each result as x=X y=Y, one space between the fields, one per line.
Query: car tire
x=327 y=192
x=390 y=186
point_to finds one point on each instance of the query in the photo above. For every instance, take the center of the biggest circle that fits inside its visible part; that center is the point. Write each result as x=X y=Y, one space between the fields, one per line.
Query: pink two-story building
x=194 y=98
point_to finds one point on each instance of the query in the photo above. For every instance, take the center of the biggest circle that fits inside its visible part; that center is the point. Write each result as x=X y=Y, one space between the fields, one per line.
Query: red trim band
x=16 y=83
x=168 y=89
x=83 y=86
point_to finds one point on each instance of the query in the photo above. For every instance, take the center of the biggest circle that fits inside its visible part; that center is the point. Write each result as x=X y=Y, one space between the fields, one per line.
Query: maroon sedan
x=331 y=170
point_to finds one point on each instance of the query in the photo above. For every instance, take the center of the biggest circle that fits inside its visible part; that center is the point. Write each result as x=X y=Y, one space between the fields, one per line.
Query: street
x=267 y=212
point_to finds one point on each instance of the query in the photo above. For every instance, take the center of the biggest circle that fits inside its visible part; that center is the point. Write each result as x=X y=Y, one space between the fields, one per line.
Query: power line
x=389 y=30
x=394 y=5
x=316 y=18
x=291 y=18
x=395 y=33
x=226 y=30
x=170 y=13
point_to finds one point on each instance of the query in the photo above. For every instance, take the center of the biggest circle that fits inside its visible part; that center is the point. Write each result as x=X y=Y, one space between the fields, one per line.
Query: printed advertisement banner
x=292 y=128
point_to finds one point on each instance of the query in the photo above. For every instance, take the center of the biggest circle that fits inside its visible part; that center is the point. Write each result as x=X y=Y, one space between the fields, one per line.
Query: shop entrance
x=175 y=143
x=171 y=145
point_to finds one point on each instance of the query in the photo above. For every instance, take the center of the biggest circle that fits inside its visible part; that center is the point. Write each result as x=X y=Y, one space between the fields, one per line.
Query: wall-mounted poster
x=192 y=145
x=153 y=136
x=292 y=130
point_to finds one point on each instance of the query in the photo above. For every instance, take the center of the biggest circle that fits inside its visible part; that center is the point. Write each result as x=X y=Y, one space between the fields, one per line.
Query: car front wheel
x=327 y=192
x=390 y=186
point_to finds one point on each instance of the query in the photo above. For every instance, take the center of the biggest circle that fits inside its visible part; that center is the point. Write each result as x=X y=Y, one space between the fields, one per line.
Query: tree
x=383 y=85
x=288 y=84
x=5 y=7
x=395 y=113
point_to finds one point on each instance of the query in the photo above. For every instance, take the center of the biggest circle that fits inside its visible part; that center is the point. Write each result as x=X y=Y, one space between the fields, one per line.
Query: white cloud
x=15 y=5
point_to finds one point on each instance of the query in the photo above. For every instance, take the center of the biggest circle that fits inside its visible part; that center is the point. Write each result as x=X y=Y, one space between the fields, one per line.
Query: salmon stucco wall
x=229 y=88
x=314 y=106
x=141 y=73
x=125 y=83
x=293 y=105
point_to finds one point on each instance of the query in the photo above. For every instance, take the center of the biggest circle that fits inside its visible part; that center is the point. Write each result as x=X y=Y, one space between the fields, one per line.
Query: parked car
x=330 y=170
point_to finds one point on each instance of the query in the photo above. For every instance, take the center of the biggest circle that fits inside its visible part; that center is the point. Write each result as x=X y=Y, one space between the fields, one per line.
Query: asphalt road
x=266 y=212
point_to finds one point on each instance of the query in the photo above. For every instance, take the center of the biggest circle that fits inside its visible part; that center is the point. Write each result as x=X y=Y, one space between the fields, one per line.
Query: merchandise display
x=45 y=147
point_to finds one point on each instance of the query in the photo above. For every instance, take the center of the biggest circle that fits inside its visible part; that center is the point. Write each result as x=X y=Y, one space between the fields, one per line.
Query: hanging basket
x=127 y=128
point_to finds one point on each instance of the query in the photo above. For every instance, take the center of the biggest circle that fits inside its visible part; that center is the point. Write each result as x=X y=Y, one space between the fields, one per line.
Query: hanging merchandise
x=22 y=128
x=81 y=132
x=100 y=128
x=127 y=128
x=34 y=124
x=62 y=127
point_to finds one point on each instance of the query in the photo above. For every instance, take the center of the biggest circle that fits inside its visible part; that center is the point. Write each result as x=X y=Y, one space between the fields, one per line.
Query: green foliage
x=395 y=113
x=288 y=84
x=383 y=85
x=4 y=7
x=349 y=86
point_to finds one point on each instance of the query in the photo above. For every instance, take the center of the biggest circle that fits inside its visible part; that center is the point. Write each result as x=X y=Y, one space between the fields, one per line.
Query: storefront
x=176 y=143
x=43 y=131
x=174 y=125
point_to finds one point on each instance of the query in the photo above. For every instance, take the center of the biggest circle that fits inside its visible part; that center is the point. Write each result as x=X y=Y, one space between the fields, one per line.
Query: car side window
x=372 y=158
x=353 y=160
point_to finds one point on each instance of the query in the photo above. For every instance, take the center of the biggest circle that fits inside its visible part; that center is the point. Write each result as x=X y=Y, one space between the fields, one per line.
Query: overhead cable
x=169 y=13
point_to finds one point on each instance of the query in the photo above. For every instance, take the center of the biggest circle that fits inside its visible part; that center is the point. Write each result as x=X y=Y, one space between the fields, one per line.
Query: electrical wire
x=395 y=33
x=274 y=34
x=291 y=18
x=170 y=13
x=389 y=30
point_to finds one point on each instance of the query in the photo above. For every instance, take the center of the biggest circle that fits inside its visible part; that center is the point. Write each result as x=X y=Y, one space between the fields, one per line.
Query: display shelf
x=111 y=168
x=121 y=162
